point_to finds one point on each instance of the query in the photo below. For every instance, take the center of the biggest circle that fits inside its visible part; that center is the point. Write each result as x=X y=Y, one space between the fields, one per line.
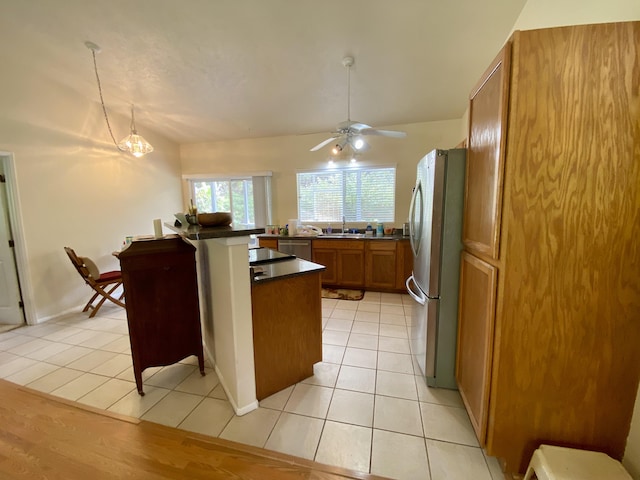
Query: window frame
x=344 y=171
x=261 y=210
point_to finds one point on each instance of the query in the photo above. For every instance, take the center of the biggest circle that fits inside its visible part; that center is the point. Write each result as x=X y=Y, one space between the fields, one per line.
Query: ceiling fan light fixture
x=359 y=143
x=351 y=131
x=338 y=147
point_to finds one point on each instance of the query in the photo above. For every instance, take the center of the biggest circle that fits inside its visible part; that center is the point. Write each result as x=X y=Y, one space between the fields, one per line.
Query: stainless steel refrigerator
x=435 y=232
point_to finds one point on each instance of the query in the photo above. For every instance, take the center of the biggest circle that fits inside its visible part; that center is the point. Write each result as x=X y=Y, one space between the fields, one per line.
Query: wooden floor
x=44 y=437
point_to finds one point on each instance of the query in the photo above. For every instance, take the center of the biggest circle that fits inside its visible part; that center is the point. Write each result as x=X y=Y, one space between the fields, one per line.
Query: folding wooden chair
x=104 y=284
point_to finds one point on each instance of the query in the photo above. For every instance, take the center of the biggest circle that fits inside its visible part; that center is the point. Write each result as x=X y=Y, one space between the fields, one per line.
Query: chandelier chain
x=104 y=109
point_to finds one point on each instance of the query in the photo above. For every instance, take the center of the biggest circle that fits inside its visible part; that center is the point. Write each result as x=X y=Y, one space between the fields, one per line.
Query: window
x=235 y=196
x=247 y=198
x=359 y=195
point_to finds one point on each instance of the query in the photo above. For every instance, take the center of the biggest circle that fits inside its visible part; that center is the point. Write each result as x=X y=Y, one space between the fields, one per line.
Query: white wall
x=553 y=13
x=74 y=188
x=556 y=13
x=284 y=156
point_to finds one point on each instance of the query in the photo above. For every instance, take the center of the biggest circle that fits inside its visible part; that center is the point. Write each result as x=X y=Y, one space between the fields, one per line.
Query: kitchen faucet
x=343 y=224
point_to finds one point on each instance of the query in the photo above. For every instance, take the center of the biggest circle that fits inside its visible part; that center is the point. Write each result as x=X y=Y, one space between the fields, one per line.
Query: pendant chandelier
x=132 y=143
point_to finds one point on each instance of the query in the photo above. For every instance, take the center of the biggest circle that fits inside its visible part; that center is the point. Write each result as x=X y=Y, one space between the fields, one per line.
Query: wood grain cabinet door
x=344 y=260
x=476 y=315
x=380 y=264
x=485 y=158
x=329 y=258
x=351 y=268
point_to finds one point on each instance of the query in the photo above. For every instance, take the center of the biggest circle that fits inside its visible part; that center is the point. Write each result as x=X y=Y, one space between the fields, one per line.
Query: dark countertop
x=336 y=237
x=259 y=256
x=283 y=269
x=196 y=232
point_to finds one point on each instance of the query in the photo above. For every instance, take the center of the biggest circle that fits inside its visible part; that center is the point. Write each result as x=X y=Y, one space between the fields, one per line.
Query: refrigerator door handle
x=420 y=298
x=415 y=232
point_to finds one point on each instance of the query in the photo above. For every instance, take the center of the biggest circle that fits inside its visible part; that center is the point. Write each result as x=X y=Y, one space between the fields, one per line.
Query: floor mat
x=342 y=293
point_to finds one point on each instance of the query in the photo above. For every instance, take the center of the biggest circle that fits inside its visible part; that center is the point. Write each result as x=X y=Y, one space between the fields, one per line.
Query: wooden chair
x=104 y=284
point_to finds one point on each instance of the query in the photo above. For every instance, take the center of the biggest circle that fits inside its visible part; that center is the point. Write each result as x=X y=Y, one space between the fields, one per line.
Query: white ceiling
x=207 y=70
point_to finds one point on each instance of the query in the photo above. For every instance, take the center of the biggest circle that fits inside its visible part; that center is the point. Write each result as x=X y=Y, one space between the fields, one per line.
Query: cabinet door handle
x=418 y=298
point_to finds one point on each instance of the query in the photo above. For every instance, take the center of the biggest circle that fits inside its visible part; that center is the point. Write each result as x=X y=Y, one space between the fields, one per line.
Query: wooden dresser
x=161 y=291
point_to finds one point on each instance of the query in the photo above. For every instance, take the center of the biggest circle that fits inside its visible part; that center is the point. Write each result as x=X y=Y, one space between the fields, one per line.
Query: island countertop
x=197 y=232
x=279 y=270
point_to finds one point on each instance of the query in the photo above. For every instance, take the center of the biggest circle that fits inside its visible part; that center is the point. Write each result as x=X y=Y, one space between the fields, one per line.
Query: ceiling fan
x=350 y=133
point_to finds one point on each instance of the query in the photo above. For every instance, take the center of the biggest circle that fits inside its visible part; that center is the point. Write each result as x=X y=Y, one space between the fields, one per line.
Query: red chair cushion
x=110 y=276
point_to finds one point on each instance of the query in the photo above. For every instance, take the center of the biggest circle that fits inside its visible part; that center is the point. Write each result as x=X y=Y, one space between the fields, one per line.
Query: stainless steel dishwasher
x=296 y=246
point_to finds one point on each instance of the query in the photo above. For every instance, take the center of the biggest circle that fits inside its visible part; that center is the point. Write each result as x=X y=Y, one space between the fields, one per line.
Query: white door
x=10 y=311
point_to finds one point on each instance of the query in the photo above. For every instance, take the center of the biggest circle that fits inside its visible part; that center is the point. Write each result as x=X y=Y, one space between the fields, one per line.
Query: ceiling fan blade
x=383 y=133
x=322 y=144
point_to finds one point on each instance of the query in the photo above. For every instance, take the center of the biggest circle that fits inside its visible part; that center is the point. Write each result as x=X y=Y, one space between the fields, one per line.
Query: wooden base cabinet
x=344 y=262
x=287 y=331
x=268 y=243
x=554 y=181
x=372 y=264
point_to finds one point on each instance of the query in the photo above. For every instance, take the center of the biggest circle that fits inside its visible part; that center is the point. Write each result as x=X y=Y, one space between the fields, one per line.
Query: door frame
x=17 y=230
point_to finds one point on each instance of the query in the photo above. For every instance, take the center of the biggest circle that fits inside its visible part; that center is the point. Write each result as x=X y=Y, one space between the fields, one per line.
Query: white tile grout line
x=75 y=322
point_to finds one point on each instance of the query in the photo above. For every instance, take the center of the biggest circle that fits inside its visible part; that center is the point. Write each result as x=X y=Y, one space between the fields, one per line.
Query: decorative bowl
x=216 y=219
x=388 y=231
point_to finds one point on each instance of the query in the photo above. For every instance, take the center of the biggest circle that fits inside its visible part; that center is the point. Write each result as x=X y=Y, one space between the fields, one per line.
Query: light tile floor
x=366 y=408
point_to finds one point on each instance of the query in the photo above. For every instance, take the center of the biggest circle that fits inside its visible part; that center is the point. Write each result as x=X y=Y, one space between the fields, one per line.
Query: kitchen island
x=287 y=321
x=256 y=349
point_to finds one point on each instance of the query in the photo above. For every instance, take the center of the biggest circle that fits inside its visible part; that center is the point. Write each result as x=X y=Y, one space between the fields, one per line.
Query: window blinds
x=358 y=195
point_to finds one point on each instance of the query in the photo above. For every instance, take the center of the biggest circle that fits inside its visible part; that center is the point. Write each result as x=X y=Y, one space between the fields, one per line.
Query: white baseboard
x=239 y=409
x=76 y=309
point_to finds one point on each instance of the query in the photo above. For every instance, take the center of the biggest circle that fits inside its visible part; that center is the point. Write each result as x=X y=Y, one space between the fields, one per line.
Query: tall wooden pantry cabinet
x=549 y=318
